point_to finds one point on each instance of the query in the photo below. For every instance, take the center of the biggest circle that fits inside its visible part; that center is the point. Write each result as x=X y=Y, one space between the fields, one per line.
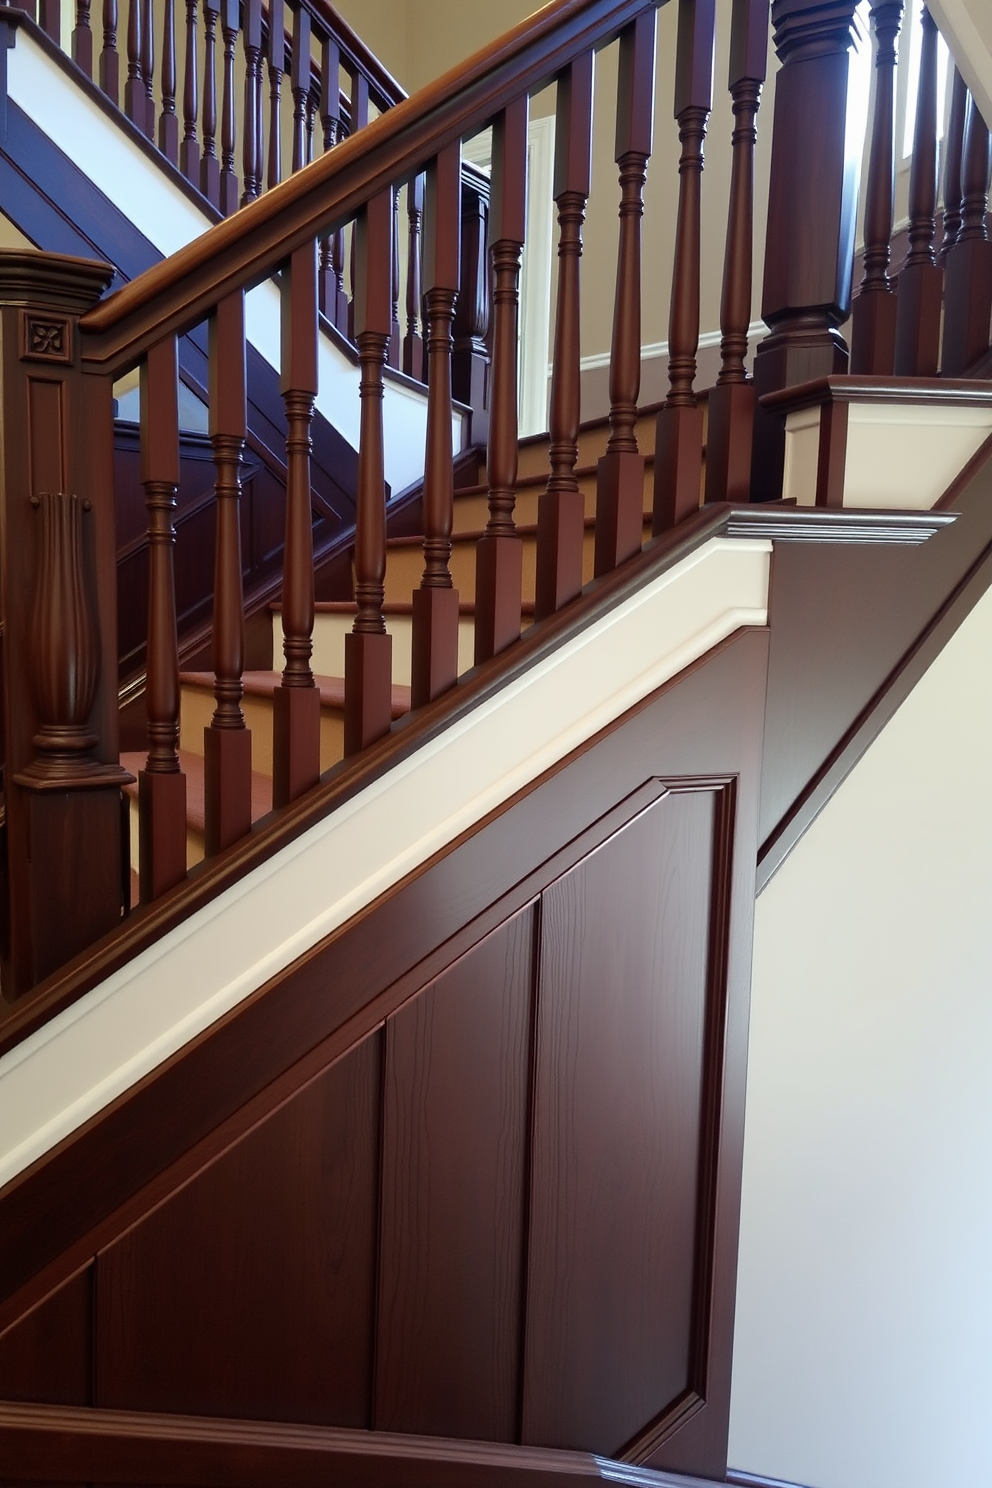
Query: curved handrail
x=249 y=247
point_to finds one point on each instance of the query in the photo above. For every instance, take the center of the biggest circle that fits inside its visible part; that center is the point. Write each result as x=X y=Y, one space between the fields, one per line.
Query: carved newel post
x=67 y=873
x=812 y=206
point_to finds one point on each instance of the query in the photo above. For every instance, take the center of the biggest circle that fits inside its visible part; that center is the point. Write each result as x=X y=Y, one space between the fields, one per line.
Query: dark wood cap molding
x=934 y=392
x=56 y=279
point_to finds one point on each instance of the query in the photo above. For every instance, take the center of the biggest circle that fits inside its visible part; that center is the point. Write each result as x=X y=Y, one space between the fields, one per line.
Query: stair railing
x=353 y=186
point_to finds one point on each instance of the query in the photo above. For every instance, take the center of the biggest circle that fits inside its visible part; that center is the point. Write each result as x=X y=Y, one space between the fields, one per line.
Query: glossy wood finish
x=48 y=1356
x=953 y=152
x=227 y=742
x=62 y=779
x=368 y=648
x=168 y=124
x=470 y=368
x=189 y=149
x=228 y=18
x=620 y=473
x=809 y=240
x=209 y=164
x=296 y=702
x=341 y=1226
x=434 y=663
x=921 y=280
x=678 y=456
x=873 y=331
x=499 y=557
x=731 y=404
x=413 y=341
x=968 y=299
x=454 y=1188
x=162 y=784
x=251 y=119
x=109 y=57
x=561 y=509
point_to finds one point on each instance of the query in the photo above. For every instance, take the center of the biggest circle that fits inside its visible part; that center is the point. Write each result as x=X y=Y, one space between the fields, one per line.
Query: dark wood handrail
x=384 y=90
x=247 y=249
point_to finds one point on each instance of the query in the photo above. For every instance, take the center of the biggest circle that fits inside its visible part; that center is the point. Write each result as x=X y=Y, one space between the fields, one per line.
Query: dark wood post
x=161 y=784
x=394 y=353
x=812 y=209
x=65 y=854
x=678 y=454
x=299 y=81
x=229 y=22
x=359 y=118
x=189 y=149
x=110 y=62
x=276 y=63
x=226 y=741
x=731 y=403
x=296 y=718
x=368 y=647
x=251 y=153
x=470 y=367
x=50 y=19
x=561 y=509
x=209 y=164
x=435 y=603
x=135 y=97
x=168 y=124
x=413 y=343
x=82 y=38
x=330 y=119
x=499 y=555
x=620 y=476
x=921 y=280
x=148 y=66
x=873 y=328
x=953 y=157
x=968 y=300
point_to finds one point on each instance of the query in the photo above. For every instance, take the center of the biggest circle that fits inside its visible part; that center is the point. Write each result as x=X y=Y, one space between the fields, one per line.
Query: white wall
x=863 y=1355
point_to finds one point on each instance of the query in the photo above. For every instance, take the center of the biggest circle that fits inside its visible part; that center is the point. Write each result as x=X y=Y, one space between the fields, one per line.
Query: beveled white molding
x=901 y=456
x=167 y=217
x=119 y=1032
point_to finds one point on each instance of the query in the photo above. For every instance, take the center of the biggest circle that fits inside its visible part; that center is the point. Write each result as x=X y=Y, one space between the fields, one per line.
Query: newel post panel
x=66 y=859
x=812 y=209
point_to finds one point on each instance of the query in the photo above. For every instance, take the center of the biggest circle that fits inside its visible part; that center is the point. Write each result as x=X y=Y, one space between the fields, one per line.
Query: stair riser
x=533 y=458
x=472 y=512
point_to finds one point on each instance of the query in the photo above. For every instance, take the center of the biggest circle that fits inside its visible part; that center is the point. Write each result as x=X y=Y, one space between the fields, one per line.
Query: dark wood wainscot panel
x=493 y=1195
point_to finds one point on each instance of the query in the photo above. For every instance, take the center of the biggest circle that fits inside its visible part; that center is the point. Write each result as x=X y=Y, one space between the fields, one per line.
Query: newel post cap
x=55 y=281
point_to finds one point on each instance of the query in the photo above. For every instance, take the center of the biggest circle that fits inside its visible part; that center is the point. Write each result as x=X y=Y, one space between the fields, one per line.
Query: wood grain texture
x=619 y=1058
x=47 y=1356
x=453 y=1192
x=250 y=1292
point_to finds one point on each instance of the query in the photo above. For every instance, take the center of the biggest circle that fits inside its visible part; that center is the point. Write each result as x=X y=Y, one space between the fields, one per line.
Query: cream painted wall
x=864 y=1319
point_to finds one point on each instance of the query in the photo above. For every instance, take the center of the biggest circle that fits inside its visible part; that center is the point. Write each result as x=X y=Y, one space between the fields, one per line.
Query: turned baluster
x=251 y=154
x=359 y=119
x=368 y=648
x=953 y=158
x=921 y=280
x=82 y=38
x=161 y=784
x=110 y=62
x=435 y=603
x=148 y=66
x=394 y=355
x=311 y=123
x=229 y=20
x=873 y=328
x=968 y=301
x=561 y=508
x=226 y=741
x=189 y=149
x=413 y=345
x=471 y=365
x=333 y=301
x=168 y=124
x=277 y=59
x=296 y=717
x=50 y=19
x=499 y=554
x=135 y=97
x=299 y=81
x=731 y=402
x=678 y=461
x=209 y=164
x=620 y=476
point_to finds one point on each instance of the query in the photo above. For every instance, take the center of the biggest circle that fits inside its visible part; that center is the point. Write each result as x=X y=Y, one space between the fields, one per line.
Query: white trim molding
x=115 y=1035
x=654 y=349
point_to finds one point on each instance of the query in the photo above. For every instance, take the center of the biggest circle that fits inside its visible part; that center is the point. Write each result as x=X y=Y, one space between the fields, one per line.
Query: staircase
x=387 y=1121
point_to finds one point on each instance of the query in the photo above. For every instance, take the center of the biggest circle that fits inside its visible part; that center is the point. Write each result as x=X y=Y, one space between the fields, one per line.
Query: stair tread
x=466 y=607
x=522 y=529
x=264 y=684
x=192 y=767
